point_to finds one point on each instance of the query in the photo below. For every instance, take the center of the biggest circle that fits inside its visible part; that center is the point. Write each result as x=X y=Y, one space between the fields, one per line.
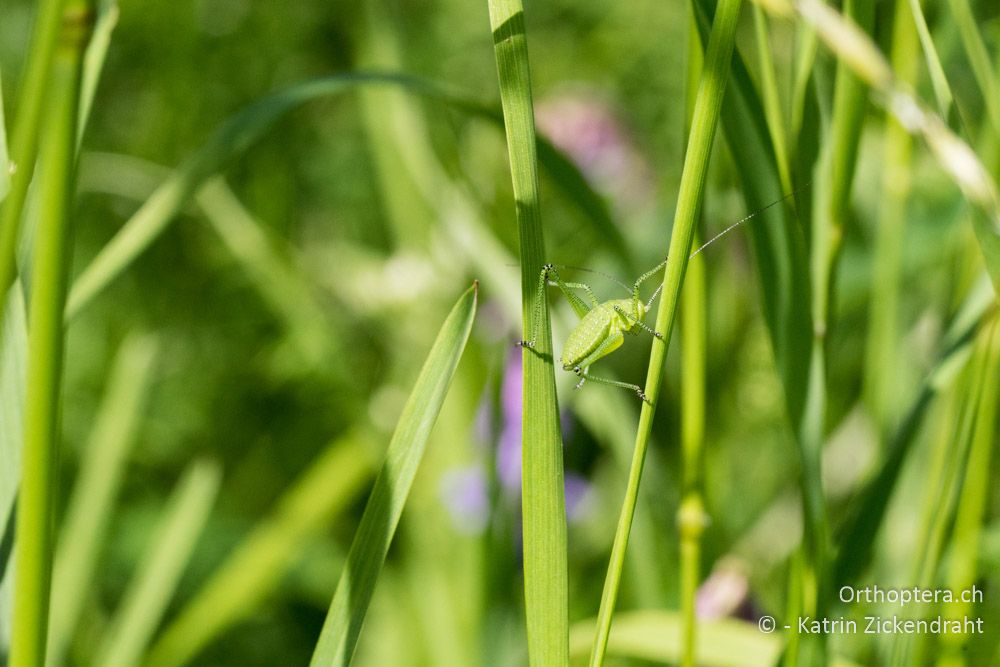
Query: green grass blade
x=691 y=516
x=32 y=108
x=778 y=239
x=4 y=155
x=52 y=255
x=542 y=501
x=240 y=131
x=385 y=504
x=708 y=102
x=881 y=357
x=964 y=566
x=979 y=59
x=857 y=50
x=939 y=81
x=13 y=366
x=255 y=568
x=153 y=585
x=771 y=99
x=93 y=60
x=857 y=536
x=96 y=488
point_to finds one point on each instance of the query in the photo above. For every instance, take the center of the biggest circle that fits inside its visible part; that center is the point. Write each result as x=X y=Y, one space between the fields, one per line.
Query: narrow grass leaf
x=240 y=131
x=155 y=580
x=543 y=505
x=94 y=59
x=385 y=504
x=939 y=80
x=708 y=101
x=96 y=489
x=256 y=566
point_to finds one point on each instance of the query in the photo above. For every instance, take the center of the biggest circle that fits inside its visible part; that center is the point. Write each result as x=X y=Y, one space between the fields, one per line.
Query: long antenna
x=731 y=228
x=742 y=220
x=595 y=271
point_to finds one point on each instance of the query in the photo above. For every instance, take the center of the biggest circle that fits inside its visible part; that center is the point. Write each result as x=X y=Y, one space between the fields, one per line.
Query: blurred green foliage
x=383 y=207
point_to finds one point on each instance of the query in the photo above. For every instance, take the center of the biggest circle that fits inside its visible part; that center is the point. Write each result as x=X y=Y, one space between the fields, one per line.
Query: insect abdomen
x=592 y=330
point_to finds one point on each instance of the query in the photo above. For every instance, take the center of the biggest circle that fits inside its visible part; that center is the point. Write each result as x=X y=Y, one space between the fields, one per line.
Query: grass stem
x=45 y=344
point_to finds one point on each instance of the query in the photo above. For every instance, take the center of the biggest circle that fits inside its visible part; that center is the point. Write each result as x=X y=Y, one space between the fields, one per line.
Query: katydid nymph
x=603 y=325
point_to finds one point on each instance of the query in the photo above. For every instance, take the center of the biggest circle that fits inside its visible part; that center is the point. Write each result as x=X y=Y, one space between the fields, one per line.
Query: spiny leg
x=611 y=343
x=539 y=304
x=646 y=276
x=579 y=307
x=642 y=325
x=584 y=376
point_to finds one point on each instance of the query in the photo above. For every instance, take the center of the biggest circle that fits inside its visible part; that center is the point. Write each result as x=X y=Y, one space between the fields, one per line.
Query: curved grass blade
x=241 y=130
x=385 y=504
x=708 y=101
x=156 y=579
x=543 y=505
x=256 y=566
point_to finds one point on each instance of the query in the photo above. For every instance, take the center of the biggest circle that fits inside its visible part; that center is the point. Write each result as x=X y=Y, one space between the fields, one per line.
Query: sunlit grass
x=246 y=332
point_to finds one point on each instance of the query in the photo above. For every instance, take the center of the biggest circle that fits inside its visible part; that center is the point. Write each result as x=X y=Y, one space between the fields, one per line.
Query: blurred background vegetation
x=286 y=313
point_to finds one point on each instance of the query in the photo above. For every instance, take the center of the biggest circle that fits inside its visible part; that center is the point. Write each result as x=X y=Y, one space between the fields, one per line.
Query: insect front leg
x=579 y=307
x=639 y=323
x=543 y=278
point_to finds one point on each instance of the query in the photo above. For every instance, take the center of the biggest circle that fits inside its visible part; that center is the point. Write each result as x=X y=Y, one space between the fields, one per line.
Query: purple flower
x=724 y=591
x=463 y=492
x=587 y=130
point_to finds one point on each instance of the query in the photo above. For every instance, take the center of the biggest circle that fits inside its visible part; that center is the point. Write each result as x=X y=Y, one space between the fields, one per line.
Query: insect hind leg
x=584 y=376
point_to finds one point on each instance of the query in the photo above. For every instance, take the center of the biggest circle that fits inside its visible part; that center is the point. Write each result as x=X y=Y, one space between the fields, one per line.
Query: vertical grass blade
x=96 y=488
x=857 y=537
x=979 y=59
x=45 y=343
x=691 y=518
x=13 y=352
x=31 y=110
x=156 y=579
x=708 y=101
x=385 y=504
x=255 y=567
x=963 y=566
x=857 y=50
x=880 y=355
x=542 y=501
